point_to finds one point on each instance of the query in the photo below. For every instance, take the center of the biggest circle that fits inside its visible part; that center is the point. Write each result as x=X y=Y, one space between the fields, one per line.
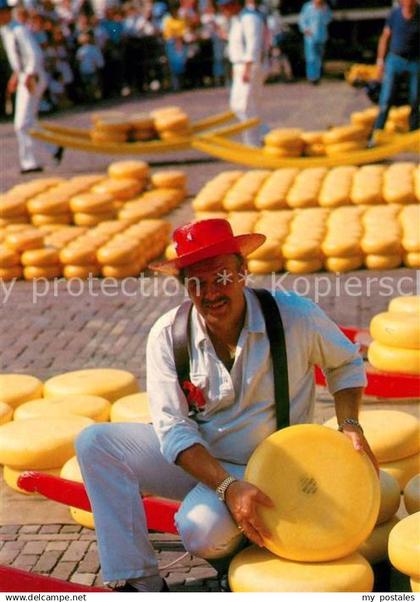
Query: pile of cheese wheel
x=166 y=123
x=396 y=337
x=397 y=121
x=394 y=437
x=39 y=422
x=90 y=199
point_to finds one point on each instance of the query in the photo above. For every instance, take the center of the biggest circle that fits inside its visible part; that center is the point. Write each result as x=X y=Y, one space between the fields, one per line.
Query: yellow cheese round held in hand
x=6 y=412
x=71 y=471
x=258 y=570
x=11 y=476
x=404 y=545
x=103 y=382
x=392 y=434
x=375 y=548
x=132 y=408
x=403 y=470
x=40 y=443
x=412 y=495
x=315 y=517
x=409 y=304
x=18 y=388
x=343 y=264
x=396 y=329
x=91 y=406
x=394 y=359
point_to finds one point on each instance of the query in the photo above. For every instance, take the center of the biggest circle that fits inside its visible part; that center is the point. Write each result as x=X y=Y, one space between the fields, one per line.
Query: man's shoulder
x=164 y=322
x=292 y=304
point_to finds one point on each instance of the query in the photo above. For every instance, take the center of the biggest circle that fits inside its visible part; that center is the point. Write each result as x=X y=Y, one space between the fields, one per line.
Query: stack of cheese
x=61 y=237
x=314 y=143
x=398 y=185
x=365 y=118
x=242 y=222
x=306 y=186
x=341 y=245
x=345 y=139
x=412 y=495
x=302 y=247
x=143 y=127
x=398 y=119
x=273 y=192
x=336 y=186
x=18 y=243
x=367 y=185
x=361 y=73
x=409 y=218
x=152 y=203
x=285 y=142
x=396 y=337
x=404 y=548
x=110 y=129
x=381 y=241
x=79 y=255
x=120 y=190
x=13 y=208
x=210 y=197
x=268 y=258
x=242 y=194
x=171 y=123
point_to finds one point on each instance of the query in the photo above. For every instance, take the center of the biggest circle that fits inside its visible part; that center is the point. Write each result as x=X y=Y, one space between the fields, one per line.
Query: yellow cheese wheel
x=174 y=134
x=375 y=548
x=18 y=388
x=92 y=219
x=11 y=476
x=11 y=273
x=126 y=251
x=48 y=272
x=394 y=359
x=27 y=239
x=39 y=219
x=142 y=121
x=125 y=270
x=6 y=413
x=108 y=136
x=257 y=570
x=40 y=443
x=8 y=257
x=345 y=133
x=343 y=264
x=396 y=329
x=403 y=470
x=175 y=120
x=132 y=408
x=79 y=254
x=404 y=545
x=409 y=304
x=392 y=434
x=41 y=257
x=382 y=262
x=412 y=495
x=89 y=202
x=139 y=170
x=415 y=584
x=390 y=497
x=103 y=382
x=280 y=152
x=81 y=271
x=301 y=249
x=170 y=178
x=112 y=123
x=344 y=147
x=121 y=189
x=71 y=471
x=91 y=406
x=270 y=249
x=283 y=136
x=302 y=266
x=313 y=137
x=315 y=518
x=412 y=259
x=264 y=266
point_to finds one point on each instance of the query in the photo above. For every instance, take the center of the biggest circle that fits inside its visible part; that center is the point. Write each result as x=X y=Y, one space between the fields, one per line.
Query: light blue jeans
x=314 y=53
x=118 y=460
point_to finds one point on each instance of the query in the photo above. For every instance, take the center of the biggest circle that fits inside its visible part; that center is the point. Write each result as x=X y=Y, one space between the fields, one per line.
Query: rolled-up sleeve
x=334 y=353
x=168 y=406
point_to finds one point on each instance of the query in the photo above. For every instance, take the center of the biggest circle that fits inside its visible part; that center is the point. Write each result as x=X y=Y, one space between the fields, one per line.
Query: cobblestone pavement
x=45 y=332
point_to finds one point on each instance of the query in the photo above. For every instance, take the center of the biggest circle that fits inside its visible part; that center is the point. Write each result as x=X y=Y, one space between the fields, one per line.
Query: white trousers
x=26 y=113
x=245 y=100
x=118 y=460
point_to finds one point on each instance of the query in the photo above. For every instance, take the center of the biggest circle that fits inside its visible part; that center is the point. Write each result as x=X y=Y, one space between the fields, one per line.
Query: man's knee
x=92 y=440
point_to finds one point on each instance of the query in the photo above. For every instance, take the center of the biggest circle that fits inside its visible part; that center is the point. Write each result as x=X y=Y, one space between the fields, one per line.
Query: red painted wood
x=15 y=580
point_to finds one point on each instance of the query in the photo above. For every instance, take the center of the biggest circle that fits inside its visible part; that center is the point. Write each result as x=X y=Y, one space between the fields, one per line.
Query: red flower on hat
x=195 y=397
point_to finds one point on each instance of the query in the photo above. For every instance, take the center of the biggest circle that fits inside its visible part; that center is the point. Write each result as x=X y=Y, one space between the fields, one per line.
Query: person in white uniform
x=247 y=51
x=29 y=81
x=204 y=433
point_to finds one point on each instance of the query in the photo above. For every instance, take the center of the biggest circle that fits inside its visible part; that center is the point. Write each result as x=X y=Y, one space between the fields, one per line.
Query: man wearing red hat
x=219 y=382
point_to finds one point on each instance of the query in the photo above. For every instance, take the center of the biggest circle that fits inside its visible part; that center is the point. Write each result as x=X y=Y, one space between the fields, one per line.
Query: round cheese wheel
x=257 y=570
x=390 y=497
x=392 y=434
x=8 y=258
x=90 y=202
x=382 y=262
x=283 y=136
x=27 y=239
x=125 y=270
x=305 y=249
x=121 y=189
x=280 y=152
x=264 y=266
x=344 y=147
x=112 y=123
x=91 y=406
x=409 y=304
x=412 y=495
x=11 y=273
x=78 y=254
x=270 y=249
x=171 y=121
x=314 y=137
x=139 y=170
x=71 y=471
x=302 y=266
x=305 y=526
x=403 y=470
x=103 y=382
x=404 y=545
x=92 y=219
x=126 y=251
x=415 y=584
x=345 y=133
x=81 y=271
x=170 y=178
x=174 y=134
x=132 y=408
x=41 y=257
x=396 y=329
x=142 y=121
x=108 y=136
x=375 y=548
x=11 y=476
x=412 y=260
x=6 y=413
x=39 y=219
x=40 y=443
x=18 y=388
x=394 y=359
x=343 y=264
x=48 y=272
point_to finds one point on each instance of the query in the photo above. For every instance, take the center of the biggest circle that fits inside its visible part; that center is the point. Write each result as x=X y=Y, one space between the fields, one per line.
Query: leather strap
x=180 y=341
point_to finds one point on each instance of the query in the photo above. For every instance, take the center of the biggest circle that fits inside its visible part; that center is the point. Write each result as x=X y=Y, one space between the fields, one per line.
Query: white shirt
x=240 y=409
x=246 y=37
x=23 y=51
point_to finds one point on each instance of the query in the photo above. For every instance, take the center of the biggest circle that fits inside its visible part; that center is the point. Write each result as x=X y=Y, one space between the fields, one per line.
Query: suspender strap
x=275 y=333
x=180 y=339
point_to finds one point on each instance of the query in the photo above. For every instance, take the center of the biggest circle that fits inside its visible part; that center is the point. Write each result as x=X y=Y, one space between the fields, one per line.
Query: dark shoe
x=315 y=82
x=37 y=169
x=58 y=155
x=371 y=143
x=224 y=583
x=129 y=588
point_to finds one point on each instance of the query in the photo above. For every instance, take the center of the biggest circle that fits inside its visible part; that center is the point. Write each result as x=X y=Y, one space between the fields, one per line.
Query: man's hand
x=12 y=84
x=308 y=33
x=379 y=71
x=246 y=76
x=360 y=443
x=242 y=500
x=30 y=82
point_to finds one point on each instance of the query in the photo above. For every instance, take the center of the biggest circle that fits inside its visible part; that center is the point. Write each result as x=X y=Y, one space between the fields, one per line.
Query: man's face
x=408 y=4
x=5 y=16
x=230 y=10
x=215 y=286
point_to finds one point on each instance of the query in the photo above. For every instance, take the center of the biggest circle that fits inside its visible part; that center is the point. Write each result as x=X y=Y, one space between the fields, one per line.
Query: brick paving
x=45 y=332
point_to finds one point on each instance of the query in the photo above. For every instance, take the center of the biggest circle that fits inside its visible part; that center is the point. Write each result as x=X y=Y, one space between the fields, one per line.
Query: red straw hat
x=204 y=239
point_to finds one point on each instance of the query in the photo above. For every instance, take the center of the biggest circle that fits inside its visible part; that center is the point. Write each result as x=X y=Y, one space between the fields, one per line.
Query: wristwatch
x=351 y=422
x=222 y=488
